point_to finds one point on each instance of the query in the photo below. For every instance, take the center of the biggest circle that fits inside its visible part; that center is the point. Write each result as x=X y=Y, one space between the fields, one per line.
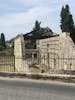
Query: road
x=34 y=90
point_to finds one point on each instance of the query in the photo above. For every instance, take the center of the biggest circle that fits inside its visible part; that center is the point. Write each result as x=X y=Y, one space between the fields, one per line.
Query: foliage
x=3 y=44
x=1 y=48
x=37 y=31
x=30 y=44
x=66 y=20
x=73 y=34
x=6 y=52
x=37 y=28
x=67 y=23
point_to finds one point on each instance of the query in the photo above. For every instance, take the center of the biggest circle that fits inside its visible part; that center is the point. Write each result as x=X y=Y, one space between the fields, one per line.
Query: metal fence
x=7 y=63
x=31 y=56
x=55 y=64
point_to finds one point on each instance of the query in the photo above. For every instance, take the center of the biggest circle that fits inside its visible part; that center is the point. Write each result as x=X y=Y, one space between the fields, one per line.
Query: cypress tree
x=37 y=28
x=66 y=20
x=3 y=40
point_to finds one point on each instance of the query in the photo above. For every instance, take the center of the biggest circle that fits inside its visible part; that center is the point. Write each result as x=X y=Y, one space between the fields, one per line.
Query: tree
x=36 y=33
x=37 y=28
x=31 y=44
x=3 y=40
x=37 y=25
x=73 y=34
x=66 y=20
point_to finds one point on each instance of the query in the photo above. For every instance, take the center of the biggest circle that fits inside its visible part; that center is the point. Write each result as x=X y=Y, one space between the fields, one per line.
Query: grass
x=7 y=52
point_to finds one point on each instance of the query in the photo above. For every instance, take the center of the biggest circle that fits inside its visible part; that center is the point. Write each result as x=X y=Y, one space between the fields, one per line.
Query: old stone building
x=57 y=52
x=54 y=53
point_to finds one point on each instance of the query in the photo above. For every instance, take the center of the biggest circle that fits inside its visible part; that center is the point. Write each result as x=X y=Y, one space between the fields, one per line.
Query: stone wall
x=19 y=52
x=57 y=52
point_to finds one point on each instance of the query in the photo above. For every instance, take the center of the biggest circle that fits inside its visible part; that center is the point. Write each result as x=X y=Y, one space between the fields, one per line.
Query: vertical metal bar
x=14 y=62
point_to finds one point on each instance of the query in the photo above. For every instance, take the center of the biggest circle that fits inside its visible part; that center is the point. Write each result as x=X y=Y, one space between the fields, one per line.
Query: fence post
x=14 y=63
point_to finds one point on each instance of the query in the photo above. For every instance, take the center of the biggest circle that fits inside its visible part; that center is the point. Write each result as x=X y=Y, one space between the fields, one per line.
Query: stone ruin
x=57 y=52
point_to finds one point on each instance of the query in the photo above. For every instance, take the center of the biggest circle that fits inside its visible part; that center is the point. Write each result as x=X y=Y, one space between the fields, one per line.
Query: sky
x=19 y=16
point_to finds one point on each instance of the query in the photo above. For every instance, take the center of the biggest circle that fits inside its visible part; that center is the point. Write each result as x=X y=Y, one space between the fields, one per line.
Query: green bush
x=1 y=48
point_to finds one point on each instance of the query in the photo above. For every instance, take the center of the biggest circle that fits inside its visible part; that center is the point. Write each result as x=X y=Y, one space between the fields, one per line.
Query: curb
x=58 y=77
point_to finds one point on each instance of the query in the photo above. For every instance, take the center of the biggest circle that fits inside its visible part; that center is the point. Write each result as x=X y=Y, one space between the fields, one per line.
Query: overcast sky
x=18 y=16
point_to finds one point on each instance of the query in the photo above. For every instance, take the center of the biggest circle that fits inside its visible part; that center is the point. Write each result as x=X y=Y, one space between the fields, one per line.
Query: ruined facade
x=57 y=52
x=54 y=53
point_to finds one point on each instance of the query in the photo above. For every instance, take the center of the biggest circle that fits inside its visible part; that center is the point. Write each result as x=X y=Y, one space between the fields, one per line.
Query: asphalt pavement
x=35 y=90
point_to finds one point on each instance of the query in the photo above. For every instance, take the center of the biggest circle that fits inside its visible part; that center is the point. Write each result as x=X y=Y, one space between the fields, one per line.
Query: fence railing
x=7 y=63
x=57 y=64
